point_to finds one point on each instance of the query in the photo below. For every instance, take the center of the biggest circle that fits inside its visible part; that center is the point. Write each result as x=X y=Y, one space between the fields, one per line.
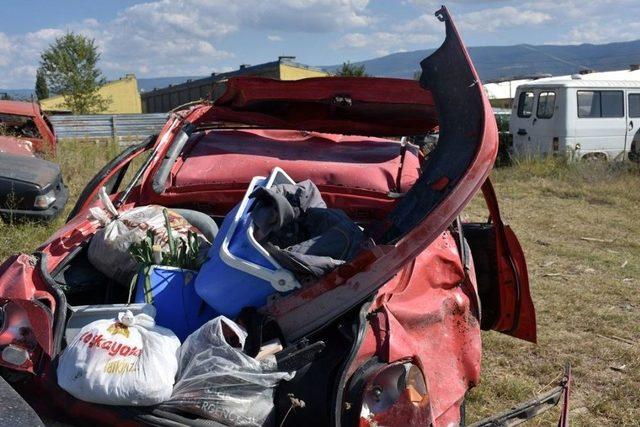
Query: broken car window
x=19 y=126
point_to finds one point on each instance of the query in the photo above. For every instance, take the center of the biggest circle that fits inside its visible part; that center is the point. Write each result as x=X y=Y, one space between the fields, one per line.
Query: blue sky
x=156 y=38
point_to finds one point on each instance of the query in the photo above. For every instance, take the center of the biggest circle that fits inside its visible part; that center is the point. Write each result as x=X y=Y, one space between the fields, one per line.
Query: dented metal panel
x=107 y=126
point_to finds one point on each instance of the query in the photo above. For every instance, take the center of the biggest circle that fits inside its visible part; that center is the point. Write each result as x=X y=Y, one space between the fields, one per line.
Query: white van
x=581 y=119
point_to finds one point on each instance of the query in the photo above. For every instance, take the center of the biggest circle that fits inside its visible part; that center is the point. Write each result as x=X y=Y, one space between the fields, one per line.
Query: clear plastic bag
x=216 y=380
x=109 y=248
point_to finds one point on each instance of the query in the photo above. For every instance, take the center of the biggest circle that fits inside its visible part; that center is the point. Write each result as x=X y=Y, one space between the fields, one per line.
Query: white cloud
x=6 y=49
x=383 y=43
x=305 y=15
x=188 y=37
x=593 y=22
x=419 y=33
x=174 y=37
x=594 y=32
x=497 y=19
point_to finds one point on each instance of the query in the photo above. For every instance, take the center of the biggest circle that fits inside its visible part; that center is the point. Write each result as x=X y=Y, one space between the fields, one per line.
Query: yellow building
x=123 y=96
x=294 y=71
x=167 y=98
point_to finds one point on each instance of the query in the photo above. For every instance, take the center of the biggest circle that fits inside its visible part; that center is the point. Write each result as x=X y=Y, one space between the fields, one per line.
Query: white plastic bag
x=128 y=361
x=218 y=381
x=109 y=248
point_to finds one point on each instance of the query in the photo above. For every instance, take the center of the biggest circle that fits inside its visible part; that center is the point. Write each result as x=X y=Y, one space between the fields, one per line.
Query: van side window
x=525 y=104
x=546 y=105
x=600 y=103
x=634 y=105
x=612 y=103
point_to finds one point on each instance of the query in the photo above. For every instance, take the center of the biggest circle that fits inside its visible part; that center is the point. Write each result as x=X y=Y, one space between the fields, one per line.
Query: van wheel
x=594 y=157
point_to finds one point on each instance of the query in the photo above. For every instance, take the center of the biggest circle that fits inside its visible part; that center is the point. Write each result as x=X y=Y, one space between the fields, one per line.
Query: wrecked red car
x=30 y=186
x=390 y=338
x=25 y=122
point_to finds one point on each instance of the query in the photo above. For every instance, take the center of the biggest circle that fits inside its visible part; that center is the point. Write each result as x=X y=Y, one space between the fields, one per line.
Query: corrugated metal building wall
x=119 y=127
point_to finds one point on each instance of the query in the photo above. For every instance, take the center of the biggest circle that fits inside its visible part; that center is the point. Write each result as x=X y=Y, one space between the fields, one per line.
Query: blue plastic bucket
x=240 y=272
x=171 y=291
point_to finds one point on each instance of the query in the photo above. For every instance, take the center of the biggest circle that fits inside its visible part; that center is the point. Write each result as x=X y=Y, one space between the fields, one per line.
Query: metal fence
x=118 y=127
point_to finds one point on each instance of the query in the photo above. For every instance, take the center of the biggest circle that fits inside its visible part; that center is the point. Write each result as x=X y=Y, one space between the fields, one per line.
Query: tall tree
x=70 y=69
x=351 y=70
x=42 y=90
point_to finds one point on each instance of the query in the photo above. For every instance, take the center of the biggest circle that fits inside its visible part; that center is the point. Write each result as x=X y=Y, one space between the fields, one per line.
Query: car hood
x=28 y=169
x=13 y=145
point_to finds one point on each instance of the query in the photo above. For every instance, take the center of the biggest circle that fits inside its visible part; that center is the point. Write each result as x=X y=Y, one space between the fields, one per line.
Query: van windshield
x=525 y=104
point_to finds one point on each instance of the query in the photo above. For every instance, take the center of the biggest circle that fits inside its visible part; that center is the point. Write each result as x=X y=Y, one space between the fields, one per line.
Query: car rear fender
x=454 y=172
x=26 y=321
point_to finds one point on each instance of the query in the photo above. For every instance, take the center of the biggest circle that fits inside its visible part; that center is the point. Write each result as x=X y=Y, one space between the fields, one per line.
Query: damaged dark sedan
x=30 y=186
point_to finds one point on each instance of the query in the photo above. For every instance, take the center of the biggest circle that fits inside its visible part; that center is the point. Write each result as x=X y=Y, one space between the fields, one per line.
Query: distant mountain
x=494 y=62
x=18 y=94
x=149 y=83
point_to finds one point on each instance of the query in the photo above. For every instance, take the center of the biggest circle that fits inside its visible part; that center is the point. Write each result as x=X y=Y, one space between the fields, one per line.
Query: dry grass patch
x=585 y=291
x=79 y=162
x=579 y=227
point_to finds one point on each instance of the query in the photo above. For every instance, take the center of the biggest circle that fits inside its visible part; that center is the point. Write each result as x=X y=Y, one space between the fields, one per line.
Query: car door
x=544 y=121
x=632 y=143
x=501 y=273
x=521 y=123
x=601 y=123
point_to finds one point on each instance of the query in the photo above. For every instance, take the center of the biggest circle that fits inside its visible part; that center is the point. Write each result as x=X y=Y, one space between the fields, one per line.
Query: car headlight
x=45 y=200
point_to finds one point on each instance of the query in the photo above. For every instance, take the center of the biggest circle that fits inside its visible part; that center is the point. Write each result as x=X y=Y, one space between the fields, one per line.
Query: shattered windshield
x=18 y=126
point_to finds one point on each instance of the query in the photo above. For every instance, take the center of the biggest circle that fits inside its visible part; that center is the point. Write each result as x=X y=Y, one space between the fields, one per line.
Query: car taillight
x=396 y=392
x=18 y=344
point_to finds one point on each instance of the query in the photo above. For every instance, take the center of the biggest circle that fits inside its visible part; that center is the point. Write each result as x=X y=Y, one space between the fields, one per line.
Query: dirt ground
x=580 y=232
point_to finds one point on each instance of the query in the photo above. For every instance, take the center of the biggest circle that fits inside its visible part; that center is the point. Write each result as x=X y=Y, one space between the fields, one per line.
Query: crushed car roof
x=19 y=107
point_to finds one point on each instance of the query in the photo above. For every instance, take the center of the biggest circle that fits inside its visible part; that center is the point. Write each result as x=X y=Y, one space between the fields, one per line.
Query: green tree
x=70 y=69
x=42 y=90
x=351 y=70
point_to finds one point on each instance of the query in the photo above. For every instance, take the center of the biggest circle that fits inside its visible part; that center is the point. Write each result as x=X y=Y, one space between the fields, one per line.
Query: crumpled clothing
x=300 y=232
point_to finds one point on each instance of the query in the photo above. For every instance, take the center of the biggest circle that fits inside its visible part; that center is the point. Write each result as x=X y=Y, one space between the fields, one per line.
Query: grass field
x=579 y=229
x=585 y=290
